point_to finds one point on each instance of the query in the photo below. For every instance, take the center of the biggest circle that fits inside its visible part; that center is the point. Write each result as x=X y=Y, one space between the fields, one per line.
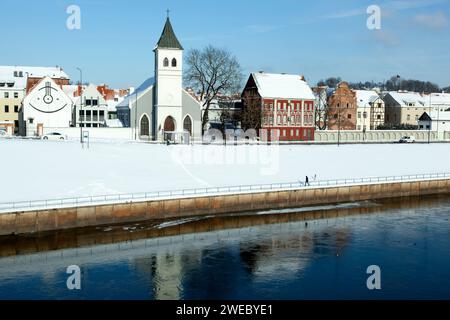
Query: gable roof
x=12 y=74
x=147 y=84
x=405 y=98
x=365 y=97
x=168 y=39
x=285 y=86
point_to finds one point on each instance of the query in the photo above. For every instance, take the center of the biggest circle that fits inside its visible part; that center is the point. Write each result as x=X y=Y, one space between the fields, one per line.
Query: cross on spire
x=168 y=12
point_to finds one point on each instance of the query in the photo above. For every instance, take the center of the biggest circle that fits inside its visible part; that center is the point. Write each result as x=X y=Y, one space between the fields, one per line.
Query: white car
x=408 y=139
x=53 y=136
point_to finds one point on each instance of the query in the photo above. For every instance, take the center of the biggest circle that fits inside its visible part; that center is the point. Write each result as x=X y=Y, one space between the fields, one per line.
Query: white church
x=160 y=109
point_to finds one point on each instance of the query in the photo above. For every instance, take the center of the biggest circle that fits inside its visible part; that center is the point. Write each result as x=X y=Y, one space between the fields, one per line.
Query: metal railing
x=198 y=192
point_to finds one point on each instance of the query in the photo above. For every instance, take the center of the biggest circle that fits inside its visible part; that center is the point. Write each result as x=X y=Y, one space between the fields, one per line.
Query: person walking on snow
x=307 y=181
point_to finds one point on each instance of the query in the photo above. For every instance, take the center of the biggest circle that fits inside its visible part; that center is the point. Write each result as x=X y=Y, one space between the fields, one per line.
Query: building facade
x=15 y=82
x=90 y=108
x=45 y=106
x=284 y=103
x=370 y=110
x=404 y=108
x=342 y=108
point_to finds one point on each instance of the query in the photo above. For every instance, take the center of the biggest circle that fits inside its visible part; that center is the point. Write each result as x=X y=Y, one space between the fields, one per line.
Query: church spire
x=168 y=38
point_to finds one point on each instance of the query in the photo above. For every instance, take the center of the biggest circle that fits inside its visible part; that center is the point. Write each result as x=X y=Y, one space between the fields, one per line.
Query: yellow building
x=405 y=107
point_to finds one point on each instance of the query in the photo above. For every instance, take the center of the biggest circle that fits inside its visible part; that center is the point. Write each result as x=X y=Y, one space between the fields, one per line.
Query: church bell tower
x=167 y=110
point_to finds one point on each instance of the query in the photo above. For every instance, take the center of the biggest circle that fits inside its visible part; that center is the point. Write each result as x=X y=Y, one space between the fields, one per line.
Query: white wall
x=375 y=135
x=95 y=133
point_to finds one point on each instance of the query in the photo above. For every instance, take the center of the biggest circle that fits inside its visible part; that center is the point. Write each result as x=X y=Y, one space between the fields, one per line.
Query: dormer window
x=166 y=62
x=174 y=62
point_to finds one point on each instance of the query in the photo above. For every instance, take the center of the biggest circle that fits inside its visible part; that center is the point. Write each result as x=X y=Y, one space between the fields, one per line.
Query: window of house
x=166 y=62
x=6 y=95
x=16 y=95
x=358 y=128
x=365 y=115
x=30 y=120
x=408 y=117
x=359 y=115
x=174 y=62
x=349 y=116
x=16 y=109
x=284 y=133
x=292 y=132
x=297 y=132
x=6 y=109
x=88 y=102
x=335 y=116
x=379 y=117
x=95 y=102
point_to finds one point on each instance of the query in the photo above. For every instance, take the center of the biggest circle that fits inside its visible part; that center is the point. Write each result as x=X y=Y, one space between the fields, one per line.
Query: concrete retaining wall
x=59 y=219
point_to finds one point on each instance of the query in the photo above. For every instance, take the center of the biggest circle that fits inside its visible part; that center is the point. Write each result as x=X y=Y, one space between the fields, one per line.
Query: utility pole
x=81 y=106
x=135 y=115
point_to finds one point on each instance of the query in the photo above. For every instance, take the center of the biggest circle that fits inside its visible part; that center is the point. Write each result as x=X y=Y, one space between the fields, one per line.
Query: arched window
x=174 y=62
x=166 y=62
x=145 y=128
x=187 y=124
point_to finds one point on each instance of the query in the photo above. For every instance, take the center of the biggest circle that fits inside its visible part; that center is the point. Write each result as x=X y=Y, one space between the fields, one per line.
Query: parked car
x=408 y=139
x=53 y=136
x=2 y=133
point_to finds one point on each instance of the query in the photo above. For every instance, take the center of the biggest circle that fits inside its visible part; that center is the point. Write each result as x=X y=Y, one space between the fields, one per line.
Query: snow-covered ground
x=34 y=170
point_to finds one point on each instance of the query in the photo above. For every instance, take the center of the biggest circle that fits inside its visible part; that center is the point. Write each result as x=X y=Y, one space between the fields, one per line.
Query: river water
x=310 y=253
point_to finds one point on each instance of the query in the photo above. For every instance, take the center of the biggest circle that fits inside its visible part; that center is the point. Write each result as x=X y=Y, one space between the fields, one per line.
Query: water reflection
x=321 y=253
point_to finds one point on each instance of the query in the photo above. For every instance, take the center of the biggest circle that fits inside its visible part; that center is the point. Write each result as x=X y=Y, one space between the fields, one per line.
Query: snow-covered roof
x=404 y=98
x=70 y=90
x=131 y=97
x=438 y=99
x=365 y=97
x=113 y=123
x=19 y=74
x=285 y=86
x=439 y=116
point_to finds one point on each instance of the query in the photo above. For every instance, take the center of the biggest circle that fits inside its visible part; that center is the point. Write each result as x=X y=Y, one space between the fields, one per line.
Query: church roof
x=168 y=38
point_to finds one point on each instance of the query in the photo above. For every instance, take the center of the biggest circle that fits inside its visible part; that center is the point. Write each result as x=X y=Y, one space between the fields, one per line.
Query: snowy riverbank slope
x=34 y=170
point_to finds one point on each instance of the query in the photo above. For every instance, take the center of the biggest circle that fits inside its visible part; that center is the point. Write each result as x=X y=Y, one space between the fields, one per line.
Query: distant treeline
x=393 y=84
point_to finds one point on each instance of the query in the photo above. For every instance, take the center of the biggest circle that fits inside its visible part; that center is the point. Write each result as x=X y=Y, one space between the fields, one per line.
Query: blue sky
x=317 y=38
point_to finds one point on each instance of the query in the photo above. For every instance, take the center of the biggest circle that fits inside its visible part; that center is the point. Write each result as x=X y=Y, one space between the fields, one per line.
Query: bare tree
x=210 y=72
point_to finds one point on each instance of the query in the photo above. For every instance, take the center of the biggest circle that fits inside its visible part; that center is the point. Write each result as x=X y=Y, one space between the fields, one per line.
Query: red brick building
x=342 y=107
x=285 y=104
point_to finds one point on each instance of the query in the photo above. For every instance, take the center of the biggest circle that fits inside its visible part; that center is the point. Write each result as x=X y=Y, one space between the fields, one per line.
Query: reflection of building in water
x=165 y=269
x=287 y=255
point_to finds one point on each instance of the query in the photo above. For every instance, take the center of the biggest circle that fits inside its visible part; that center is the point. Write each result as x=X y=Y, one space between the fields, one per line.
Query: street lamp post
x=135 y=116
x=81 y=106
x=339 y=123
